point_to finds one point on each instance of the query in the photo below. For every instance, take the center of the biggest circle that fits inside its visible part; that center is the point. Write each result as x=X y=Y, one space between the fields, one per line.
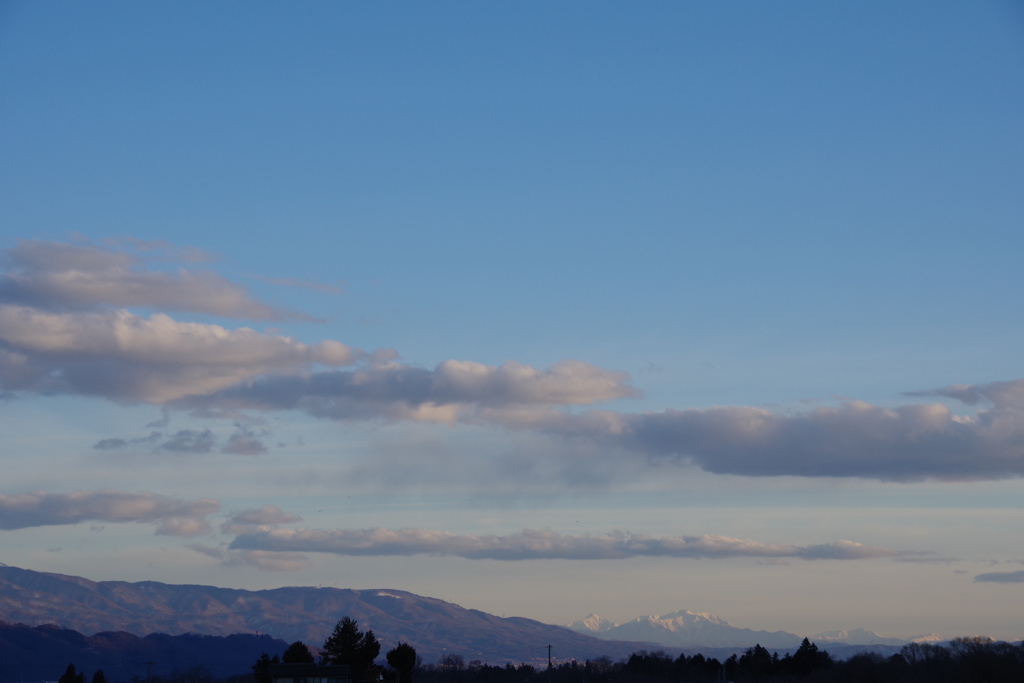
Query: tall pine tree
x=348 y=645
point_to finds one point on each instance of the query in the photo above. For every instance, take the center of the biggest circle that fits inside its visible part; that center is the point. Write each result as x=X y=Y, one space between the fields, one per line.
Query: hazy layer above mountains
x=687 y=629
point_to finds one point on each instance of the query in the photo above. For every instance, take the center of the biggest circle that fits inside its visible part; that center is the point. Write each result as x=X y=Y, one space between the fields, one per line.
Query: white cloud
x=569 y=382
x=64 y=330
x=65 y=327
x=57 y=276
x=173 y=516
x=126 y=357
x=539 y=544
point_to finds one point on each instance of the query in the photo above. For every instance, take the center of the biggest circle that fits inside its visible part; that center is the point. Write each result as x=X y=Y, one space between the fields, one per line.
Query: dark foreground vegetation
x=963 y=660
x=42 y=653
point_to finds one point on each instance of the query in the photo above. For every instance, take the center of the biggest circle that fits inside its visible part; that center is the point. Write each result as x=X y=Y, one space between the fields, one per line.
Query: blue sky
x=541 y=309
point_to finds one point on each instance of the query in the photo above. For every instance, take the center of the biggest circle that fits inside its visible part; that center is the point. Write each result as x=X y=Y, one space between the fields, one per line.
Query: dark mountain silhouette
x=42 y=653
x=434 y=627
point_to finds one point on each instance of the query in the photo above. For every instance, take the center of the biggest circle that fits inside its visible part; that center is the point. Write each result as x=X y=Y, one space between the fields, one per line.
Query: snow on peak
x=592 y=623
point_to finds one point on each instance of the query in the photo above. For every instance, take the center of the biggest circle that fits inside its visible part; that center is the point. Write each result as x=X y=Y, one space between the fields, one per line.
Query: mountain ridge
x=686 y=629
x=434 y=627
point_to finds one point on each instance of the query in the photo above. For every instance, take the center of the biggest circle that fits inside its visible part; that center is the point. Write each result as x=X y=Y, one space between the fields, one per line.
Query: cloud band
x=539 y=544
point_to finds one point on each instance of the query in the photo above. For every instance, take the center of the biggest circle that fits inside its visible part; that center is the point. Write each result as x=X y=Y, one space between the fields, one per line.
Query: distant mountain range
x=685 y=629
x=434 y=627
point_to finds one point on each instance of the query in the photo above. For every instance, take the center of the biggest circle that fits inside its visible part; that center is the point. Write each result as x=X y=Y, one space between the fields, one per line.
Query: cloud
x=539 y=544
x=261 y=559
x=116 y=443
x=174 y=517
x=73 y=277
x=125 y=357
x=267 y=514
x=110 y=444
x=65 y=328
x=453 y=391
x=189 y=441
x=258 y=519
x=1001 y=577
x=930 y=560
x=855 y=439
x=185 y=527
x=245 y=441
x=996 y=393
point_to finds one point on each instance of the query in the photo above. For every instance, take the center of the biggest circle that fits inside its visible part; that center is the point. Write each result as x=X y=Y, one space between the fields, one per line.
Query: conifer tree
x=348 y=645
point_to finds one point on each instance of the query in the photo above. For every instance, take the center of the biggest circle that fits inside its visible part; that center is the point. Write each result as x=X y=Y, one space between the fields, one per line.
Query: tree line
x=962 y=660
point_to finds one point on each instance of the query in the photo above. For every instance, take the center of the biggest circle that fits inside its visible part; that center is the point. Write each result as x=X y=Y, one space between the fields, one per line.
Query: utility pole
x=149 y=669
x=549 y=664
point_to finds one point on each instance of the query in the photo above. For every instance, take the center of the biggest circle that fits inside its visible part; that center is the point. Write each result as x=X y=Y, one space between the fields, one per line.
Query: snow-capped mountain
x=857 y=636
x=592 y=624
x=700 y=629
x=684 y=629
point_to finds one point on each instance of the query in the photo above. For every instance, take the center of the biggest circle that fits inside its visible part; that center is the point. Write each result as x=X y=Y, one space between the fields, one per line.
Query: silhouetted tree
x=451 y=666
x=261 y=669
x=756 y=663
x=348 y=645
x=807 y=659
x=731 y=666
x=71 y=676
x=297 y=653
x=402 y=658
x=99 y=677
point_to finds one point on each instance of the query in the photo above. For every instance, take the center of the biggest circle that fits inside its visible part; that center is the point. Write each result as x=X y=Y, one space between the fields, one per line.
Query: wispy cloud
x=261 y=559
x=63 y=277
x=258 y=519
x=246 y=441
x=453 y=391
x=540 y=544
x=1001 y=577
x=190 y=441
x=173 y=516
x=117 y=442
